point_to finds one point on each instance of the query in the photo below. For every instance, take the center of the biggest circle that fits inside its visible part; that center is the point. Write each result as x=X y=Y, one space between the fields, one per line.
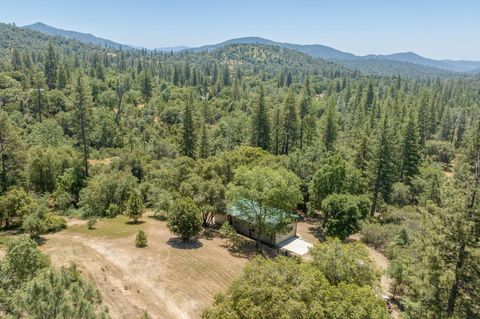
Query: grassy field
x=109 y=228
x=168 y=278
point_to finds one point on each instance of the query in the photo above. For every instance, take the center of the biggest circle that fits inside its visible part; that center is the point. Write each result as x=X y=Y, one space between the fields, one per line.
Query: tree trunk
x=456 y=284
x=39 y=110
x=119 y=110
x=84 y=141
x=374 y=201
x=4 y=174
x=301 y=133
x=257 y=242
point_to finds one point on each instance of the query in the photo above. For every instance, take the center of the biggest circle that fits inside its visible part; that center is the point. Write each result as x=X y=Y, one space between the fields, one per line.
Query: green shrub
x=401 y=195
x=141 y=239
x=440 y=151
x=229 y=233
x=91 y=222
x=34 y=225
x=376 y=235
x=343 y=214
x=54 y=222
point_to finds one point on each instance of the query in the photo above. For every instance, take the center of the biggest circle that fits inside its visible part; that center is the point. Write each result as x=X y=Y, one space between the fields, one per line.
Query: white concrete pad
x=296 y=245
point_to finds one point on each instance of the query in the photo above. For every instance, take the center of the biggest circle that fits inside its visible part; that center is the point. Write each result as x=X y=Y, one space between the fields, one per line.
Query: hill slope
x=83 y=37
x=325 y=52
x=22 y=38
x=405 y=63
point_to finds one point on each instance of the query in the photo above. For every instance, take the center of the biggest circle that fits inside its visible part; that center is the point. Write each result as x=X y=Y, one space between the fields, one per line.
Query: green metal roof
x=274 y=218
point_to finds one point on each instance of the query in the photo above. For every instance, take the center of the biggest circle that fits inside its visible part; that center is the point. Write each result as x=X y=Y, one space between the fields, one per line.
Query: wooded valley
x=92 y=135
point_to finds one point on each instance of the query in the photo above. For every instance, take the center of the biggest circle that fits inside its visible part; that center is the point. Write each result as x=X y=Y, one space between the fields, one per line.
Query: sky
x=436 y=29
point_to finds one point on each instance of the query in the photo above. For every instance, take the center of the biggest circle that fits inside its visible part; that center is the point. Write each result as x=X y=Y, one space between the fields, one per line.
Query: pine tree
x=304 y=111
x=445 y=278
x=410 y=152
x=51 y=67
x=382 y=166
x=39 y=84
x=135 y=206
x=62 y=77
x=83 y=102
x=146 y=86
x=188 y=131
x=27 y=60
x=16 y=60
x=204 y=143
x=330 y=127
x=423 y=125
x=123 y=62
x=226 y=76
x=369 y=96
x=11 y=152
x=176 y=76
x=276 y=131
x=260 y=123
x=289 y=123
x=288 y=80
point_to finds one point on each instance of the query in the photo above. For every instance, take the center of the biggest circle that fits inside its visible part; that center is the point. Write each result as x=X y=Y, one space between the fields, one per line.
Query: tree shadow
x=40 y=240
x=209 y=233
x=138 y=222
x=178 y=243
x=161 y=218
x=317 y=232
x=242 y=248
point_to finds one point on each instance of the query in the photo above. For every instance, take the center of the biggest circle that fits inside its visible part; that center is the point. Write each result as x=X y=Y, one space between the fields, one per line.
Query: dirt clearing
x=169 y=279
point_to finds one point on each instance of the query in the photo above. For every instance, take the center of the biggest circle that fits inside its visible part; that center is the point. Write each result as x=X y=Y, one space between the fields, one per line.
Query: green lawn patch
x=112 y=228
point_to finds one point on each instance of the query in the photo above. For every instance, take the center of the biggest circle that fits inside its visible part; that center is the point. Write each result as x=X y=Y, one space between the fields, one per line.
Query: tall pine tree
x=51 y=67
x=83 y=103
x=382 y=166
x=188 y=131
x=289 y=123
x=410 y=152
x=260 y=123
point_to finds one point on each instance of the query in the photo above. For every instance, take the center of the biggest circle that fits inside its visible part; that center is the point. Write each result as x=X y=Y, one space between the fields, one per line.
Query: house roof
x=274 y=218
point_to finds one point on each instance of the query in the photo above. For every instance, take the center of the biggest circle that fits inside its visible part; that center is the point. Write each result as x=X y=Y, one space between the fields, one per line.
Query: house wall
x=290 y=232
x=220 y=219
x=247 y=230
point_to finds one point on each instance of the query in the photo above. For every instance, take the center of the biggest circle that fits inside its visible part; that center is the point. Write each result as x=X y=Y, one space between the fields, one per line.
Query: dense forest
x=396 y=159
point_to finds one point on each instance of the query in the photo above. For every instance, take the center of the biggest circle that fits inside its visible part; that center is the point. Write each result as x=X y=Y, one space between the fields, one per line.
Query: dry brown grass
x=168 y=278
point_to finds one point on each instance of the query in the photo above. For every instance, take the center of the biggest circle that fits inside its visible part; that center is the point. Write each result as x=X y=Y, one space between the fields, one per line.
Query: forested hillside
x=96 y=132
x=405 y=64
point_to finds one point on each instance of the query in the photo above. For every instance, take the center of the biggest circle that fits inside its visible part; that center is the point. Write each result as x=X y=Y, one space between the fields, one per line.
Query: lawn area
x=111 y=228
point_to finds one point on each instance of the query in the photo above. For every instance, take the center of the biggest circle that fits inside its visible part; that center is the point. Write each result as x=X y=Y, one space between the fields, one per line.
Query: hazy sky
x=433 y=28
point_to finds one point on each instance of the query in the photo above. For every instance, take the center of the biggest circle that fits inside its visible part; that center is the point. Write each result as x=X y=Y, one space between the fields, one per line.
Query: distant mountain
x=82 y=37
x=410 y=57
x=172 y=49
x=315 y=50
x=328 y=53
x=404 y=63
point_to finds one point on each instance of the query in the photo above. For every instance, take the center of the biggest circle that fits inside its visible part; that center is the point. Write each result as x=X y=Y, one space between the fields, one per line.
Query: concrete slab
x=295 y=245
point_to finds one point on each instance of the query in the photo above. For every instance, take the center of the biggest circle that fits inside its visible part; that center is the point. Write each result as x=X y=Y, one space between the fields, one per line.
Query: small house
x=245 y=227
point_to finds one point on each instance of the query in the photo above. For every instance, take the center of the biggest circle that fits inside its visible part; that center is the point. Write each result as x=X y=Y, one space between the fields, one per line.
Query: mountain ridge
x=375 y=61
x=70 y=34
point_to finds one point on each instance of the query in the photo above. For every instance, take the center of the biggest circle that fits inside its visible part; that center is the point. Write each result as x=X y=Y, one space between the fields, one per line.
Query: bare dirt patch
x=169 y=281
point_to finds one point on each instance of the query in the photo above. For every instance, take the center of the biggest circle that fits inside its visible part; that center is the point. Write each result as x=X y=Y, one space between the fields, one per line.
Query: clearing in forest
x=168 y=278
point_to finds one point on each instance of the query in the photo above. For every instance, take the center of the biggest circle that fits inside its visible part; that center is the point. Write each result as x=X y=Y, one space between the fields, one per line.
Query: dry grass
x=168 y=278
x=109 y=228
